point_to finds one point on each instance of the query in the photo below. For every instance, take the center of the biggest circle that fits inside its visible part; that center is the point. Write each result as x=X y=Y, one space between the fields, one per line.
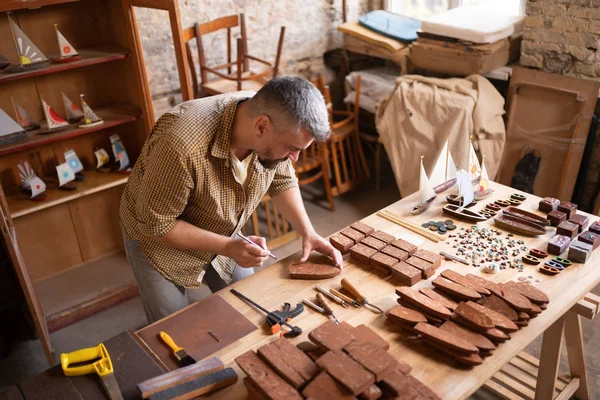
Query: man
x=200 y=175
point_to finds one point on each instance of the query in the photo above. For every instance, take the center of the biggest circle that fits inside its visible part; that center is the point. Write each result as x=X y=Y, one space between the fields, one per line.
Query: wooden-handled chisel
x=345 y=298
x=347 y=285
x=180 y=354
x=323 y=303
x=332 y=297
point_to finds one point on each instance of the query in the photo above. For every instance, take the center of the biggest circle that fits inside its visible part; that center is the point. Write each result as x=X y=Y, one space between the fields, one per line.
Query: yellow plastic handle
x=169 y=341
x=346 y=284
x=103 y=365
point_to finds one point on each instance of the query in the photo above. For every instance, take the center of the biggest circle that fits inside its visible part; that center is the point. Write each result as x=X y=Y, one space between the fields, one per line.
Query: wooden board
x=375 y=39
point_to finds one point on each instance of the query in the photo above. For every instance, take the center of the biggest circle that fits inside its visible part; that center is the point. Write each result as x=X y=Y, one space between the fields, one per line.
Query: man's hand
x=245 y=254
x=312 y=241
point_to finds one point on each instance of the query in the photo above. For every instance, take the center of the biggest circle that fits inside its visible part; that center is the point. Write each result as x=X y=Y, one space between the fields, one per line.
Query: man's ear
x=262 y=126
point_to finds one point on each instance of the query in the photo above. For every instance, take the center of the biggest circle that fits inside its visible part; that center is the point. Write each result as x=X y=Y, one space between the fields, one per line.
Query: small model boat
x=461 y=213
x=526 y=215
x=65 y=177
x=72 y=112
x=30 y=57
x=519 y=225
x=484 y=189
x=75 y=164
x=67 y=51
x=474 y=167
x=24 y=119
x=120 y=154
x=31 y=182
x=54 y=121
x=90 y=117
x=444 y=172
x=102 y=159
x=458 y=201
x=426 y=193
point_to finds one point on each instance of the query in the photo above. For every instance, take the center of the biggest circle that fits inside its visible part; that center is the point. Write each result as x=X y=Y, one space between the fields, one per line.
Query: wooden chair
x=266 y=221
x=240 y=78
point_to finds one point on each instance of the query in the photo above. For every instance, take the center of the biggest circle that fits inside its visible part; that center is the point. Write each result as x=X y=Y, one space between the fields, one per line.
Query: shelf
x=112 y=116
x=20 y=204
x=13 y=5
x=88 y=57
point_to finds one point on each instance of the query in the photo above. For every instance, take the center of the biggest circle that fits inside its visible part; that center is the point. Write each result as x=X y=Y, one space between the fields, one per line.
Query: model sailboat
x=119 y=152
x=73 y=113
x=75 y=164
x=55 y=122
x=426 y=193
x=102 y=159
x=31 y=182
x=474 y=167
x=90 y=117
x=30 y=57
x=465 y=196
x=443 y=176
x=23 y=118
x=484 y=189
x=67 y=51
x=65 y=177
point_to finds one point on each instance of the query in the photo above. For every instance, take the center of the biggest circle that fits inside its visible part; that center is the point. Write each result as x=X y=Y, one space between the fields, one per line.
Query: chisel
x=347 y=285
x=345 y=298
x=328 y=311
x=181 y=355
x=332 y=297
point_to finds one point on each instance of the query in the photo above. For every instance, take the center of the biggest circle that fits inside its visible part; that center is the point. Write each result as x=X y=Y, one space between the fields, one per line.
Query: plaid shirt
x=184 y=173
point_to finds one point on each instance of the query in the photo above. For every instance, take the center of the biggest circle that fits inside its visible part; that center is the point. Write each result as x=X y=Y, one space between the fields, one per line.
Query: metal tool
x=347 y=285
x=332 y=297
x=256 y=244
x=315 y=307
x=448 y=256
x=183 y=358
x=329 y=312
x=101 y=365
x=277 y=318
x=345 y=298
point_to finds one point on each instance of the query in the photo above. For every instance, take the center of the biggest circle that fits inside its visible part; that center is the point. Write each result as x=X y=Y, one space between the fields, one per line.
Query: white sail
x=119 y=152
x=101 y=157
x=28 y=52
x=484 y=182
x=37 y=186
x=72 y=111
x=474 y=167
x=26 y=173
x=440 y=174
x=65 y=174
x=426 y=191
x=73 y=161
x=90 y=116
x=52 y=118
x=465 y=188
x=66 y=48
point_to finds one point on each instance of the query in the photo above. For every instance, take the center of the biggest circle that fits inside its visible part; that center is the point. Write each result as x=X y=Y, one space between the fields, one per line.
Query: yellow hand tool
x=347 y=285
x=101 y=365
x=182 y=356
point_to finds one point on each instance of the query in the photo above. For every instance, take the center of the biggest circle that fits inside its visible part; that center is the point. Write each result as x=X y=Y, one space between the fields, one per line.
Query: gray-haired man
x=200 y=175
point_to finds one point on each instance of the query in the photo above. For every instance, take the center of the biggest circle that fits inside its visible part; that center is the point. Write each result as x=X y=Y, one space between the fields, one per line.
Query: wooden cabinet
x=67 y=249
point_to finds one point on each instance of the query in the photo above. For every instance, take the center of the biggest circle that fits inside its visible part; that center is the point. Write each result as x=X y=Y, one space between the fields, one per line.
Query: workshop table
x=272 y=287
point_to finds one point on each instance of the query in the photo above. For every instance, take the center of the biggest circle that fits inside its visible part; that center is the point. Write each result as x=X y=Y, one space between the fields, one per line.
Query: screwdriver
x=332 y=297
x=346 y=284
x=323 y=303
x=345 y=298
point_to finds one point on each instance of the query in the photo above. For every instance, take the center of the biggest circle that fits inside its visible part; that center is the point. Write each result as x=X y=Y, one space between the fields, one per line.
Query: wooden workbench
x=271 y=288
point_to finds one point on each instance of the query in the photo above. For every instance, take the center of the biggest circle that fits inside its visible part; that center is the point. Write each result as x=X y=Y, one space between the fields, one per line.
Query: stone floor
x=26 y=358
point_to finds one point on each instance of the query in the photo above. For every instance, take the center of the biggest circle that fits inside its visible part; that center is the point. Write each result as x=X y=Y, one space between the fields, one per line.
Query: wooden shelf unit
x=60 y=245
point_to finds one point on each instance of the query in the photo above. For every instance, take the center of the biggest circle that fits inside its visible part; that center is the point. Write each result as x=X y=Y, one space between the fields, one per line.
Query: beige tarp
x=417 y=118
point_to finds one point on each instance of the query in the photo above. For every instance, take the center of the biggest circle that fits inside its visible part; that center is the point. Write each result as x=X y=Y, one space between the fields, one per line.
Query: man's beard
x=270 y=163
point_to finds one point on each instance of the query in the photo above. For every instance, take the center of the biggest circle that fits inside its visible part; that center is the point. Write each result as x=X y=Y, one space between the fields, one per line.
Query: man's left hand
x=312 y=241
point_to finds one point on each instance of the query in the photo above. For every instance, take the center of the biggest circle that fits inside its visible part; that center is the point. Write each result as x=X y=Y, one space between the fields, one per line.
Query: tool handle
x=169 y=341
x=314 y=306
x=330 y=296
x=342 y=296
x=101 y=365
x=321 y=301
x=346 y=284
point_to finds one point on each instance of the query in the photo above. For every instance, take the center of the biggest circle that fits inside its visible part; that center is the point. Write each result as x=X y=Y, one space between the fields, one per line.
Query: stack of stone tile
x=466 y=316
x=342 y=362
x=388 y=255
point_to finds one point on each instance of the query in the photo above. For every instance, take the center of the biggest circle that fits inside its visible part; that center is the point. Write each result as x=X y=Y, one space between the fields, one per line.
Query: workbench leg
x=549 y=360
x=576 y=354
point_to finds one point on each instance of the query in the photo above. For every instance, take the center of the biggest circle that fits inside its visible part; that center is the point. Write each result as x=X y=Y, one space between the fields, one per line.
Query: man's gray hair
x=292 y=104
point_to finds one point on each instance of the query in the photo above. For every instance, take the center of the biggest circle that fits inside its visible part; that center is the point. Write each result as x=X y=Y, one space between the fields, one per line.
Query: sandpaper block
x=310 y=271
x=199 y=386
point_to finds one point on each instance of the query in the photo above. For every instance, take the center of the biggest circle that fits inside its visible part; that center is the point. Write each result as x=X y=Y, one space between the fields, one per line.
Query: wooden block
x=395 y=252
x=455 y=290
x=558 y=244
x=341 y=242
x=579 y=252
x=384 y=237
x=535 y=310
x=362 y=253
x=289 y=362
x=500 y=306
x=430 y=318
x=581 y=221
x=383 y=261
x=350 y=374
x=472 y=359
x=523 y=316
x=406 y=273
x=324 y=387
x=515 y=299
x=402 y=315
x=396 y=385
x=270 y=384
x=373 y=358
x=494 y=334
x=423 y=390
x=254 y=392
x=568 y=208
x=445 y=339
x=329 y=336
x=372 y=393
x=489 y=285
x=548 y=204
x=500 y=321
x=311 y=271
x=533 y=294
x=353 y=234
x=440 y=298
x=477 y=339
x=374 y=243
x=595 y=227
x=404 y=245
x=567 y=228
x=362 y=228
x=179 y=376
x=434 y=259
x=590 y=238
x=556 y=217
x=310 y=349
x=426 y=267
x=199 y=386
x=365 y=334
x=464 y=281
x=423 y=302
x=474 y=316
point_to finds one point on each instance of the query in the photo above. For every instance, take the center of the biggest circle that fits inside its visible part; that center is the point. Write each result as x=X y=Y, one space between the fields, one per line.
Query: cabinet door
x=10 y=238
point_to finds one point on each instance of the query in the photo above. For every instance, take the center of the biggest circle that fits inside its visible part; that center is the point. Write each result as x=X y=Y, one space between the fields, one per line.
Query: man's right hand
x=247 y=255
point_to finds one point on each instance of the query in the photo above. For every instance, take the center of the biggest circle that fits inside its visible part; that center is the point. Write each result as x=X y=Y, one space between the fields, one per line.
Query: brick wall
x=310 y=31
x=563 y=36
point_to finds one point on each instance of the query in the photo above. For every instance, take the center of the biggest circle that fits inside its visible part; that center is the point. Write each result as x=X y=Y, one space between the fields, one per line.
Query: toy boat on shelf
x=72 y=112
x=444 y=172
x=526 y=215
x=461 y=213
x=54 y=121
x=23 y=117
x=30 y=57
x=457 y=201
x=90 y=117
x=67 y=51
x=483 y=189
x=426 y=193
x=519 y=225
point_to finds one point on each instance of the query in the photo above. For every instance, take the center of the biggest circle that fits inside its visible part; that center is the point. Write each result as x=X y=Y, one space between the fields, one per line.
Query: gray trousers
x=160 y=296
